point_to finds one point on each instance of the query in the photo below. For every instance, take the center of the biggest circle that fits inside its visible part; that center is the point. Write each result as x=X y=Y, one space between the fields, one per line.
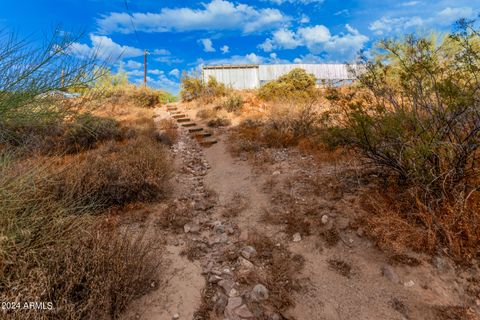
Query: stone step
x=189 y=124
x=207 y=142
x=179 y=116
x=183 y=120
x=172 y=109
x=174 y=113
x=195 y=129
x=201 y=134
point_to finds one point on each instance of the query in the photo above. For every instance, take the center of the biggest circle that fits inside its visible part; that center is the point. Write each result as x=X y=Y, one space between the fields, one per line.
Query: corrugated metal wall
x=237 y=78
x=252 y=76
x=331 y=72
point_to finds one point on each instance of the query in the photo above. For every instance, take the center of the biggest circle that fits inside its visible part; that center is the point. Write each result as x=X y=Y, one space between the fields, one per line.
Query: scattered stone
x=324 y=219
x=191 y=227
x=275 y=316
x=214 y=279
x=276 y=173
x=221 y=302
x=409 y=284
x=248 y=252
x=227 y=285
x=227 y=272
x=440 y=263
x=234 y=302
x=360 y=232
x=297 y=237
x=244 y=312
x=390 y=274
x=259 y=293
x=176 y=316
x=244 y=263
x=233 y=293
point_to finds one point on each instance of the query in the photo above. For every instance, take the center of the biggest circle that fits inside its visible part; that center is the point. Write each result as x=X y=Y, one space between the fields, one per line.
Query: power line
x=131 y=21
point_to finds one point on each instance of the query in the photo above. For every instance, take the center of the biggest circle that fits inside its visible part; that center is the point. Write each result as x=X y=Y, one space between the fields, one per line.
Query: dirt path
x=212 y=271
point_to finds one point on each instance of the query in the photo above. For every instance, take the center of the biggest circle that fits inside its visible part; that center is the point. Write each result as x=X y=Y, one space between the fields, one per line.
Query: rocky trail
x=227 y=258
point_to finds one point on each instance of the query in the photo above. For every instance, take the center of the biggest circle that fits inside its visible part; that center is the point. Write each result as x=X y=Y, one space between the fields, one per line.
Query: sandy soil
x=372 y=288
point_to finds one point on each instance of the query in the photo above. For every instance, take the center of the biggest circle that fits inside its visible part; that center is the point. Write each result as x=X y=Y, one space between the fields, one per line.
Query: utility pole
x=145 y=68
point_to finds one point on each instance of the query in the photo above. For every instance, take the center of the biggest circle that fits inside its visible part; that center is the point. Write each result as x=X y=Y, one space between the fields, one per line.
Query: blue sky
x=182 y=35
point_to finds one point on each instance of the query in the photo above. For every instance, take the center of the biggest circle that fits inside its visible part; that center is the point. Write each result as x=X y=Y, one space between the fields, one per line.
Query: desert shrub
x=87 y=130
x=421 y=119
x=296 y=85
x=194 y=88
x=50 y=253
x=206 y=113
x=218 y=122
x=234 y=103
x=116 y=174
x=30 y=79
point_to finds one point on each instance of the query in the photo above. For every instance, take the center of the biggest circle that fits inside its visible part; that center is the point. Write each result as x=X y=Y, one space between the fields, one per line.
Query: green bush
x=234 y=103
x=295 y=85
x=422 y=117
x=194 y=88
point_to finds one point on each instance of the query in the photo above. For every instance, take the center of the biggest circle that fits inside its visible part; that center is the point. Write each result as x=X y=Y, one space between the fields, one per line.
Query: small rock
x=276 y=173
x=234 y=302
x=440 y=263
x=244 y=312
x=324 y=219
x=259 y=293
x=297 y=237
x=244 y=263
x=176 y=316
x=233 y=293
x=214 y=279
x=275 y=316
x=191 y=227
x=360 y=232
x=248 y=252
x=227 y=285
x=221 y=302
x=409 y=284
x=390 y=274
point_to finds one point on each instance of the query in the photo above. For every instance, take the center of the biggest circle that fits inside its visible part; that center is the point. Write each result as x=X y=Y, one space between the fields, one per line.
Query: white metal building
x=252 y=76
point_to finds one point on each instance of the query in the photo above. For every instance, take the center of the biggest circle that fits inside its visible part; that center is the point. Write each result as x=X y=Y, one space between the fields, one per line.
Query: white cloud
x=279 y=2
x=250 y=58
x=215 y=15
x=160 y=82
x=317 y=39
x=161 y=52
x=175 y=73
x=104 y=48
x=409 y=3
x=155 y=71
x=449 y=15
x=131 y=64
x=168 y=60
x=207 y=45
x=304 y=19
x=445 y=17
x=225 y=49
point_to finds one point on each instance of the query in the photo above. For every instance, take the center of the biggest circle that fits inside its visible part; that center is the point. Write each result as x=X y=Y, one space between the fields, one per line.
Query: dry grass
x=87 y=270
x=116 y=174
x=340 y=266
x=401 y=221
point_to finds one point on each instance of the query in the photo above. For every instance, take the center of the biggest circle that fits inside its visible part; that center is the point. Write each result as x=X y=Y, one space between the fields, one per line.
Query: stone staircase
x=203 y=137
